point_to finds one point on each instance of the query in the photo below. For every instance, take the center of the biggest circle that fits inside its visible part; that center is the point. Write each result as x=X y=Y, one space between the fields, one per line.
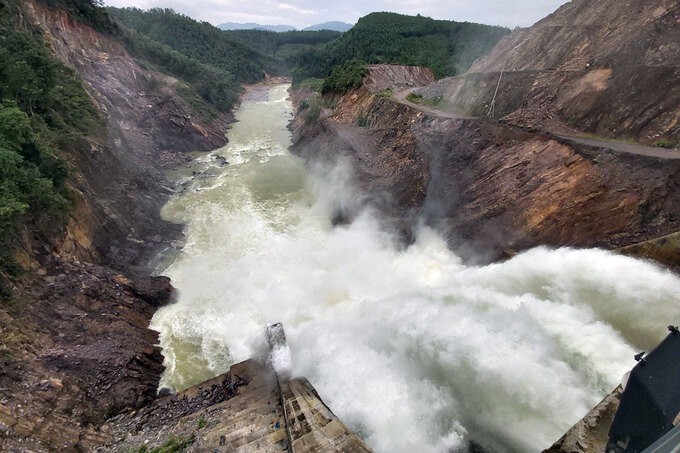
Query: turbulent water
x=409 y=347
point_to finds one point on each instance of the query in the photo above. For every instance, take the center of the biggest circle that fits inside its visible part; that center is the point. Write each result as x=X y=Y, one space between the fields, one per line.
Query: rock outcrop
x=75 y=347
x=118 y=175
x=607 y=68
x=75 y=350
x=492 y=187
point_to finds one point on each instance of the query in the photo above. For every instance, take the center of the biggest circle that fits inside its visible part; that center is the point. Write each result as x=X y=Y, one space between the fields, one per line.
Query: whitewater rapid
x=411 y=348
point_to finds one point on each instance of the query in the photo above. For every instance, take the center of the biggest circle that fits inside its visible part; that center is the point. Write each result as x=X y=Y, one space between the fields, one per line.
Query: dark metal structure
x=650 y=403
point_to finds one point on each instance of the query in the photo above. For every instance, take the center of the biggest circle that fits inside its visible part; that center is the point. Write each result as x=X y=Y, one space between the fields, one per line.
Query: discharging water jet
x=410 y=347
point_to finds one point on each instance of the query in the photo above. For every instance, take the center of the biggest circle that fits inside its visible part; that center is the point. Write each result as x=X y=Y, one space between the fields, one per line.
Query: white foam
x=411 y=348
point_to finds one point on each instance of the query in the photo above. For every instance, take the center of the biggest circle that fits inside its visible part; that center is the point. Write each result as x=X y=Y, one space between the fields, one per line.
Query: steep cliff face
x=607 y=68
x=75 y=347
x=491 y=187
x=149 y=127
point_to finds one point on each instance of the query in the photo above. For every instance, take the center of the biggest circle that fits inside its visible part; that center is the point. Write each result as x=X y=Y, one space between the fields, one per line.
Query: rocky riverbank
x=75 y=347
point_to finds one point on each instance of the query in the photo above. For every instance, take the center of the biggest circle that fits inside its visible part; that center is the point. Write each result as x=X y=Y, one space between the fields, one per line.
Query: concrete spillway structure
x=255 y=407
x=310 y=424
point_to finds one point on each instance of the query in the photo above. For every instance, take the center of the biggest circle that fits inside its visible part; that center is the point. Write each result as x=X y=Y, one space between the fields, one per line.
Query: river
x=411 y=348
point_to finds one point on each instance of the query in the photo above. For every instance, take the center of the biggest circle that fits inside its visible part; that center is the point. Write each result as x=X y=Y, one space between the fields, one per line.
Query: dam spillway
x=411 y=348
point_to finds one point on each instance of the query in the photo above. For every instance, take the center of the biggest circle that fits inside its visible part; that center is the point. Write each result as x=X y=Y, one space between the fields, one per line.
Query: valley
x=466 y=231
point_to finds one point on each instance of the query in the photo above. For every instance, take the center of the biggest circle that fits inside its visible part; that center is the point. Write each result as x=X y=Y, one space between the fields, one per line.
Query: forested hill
x=446 y=47
x=284 y=45
x=199 y=41
x=43 y=112
x=213 y=62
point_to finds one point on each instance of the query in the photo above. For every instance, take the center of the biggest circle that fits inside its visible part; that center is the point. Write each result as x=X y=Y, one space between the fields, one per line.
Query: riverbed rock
x=75 y=353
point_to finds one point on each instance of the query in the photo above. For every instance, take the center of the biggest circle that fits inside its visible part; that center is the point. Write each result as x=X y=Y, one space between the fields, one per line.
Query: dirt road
x=613 y=145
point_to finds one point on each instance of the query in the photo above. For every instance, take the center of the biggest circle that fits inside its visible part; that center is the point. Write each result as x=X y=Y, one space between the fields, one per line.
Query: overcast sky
x=302 y=13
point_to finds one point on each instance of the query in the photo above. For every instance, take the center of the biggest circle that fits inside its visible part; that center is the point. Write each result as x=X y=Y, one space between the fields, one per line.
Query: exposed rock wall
x=149 y=127
x=608 y=68
x=490 y=186
x=75 y=347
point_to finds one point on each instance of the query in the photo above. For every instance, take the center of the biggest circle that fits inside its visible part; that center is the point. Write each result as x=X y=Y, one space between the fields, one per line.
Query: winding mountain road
x=613 y=145
x=400 y=97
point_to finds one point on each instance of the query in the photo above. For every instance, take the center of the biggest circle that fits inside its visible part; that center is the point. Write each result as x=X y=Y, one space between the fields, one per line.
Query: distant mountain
x=446 y=47
x=253 y=26
x=333 y=25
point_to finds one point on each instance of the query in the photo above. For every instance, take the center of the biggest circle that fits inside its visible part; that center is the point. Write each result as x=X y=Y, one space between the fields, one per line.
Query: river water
x=412 y=349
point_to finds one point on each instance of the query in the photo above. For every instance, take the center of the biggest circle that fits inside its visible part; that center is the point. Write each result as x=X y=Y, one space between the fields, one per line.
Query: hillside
x=44 y=112
x=173 y=41
x=197 y=40
x=284 y=46
x=86 y=134
x=600 y=68
x=531 y=179
x=446 y=47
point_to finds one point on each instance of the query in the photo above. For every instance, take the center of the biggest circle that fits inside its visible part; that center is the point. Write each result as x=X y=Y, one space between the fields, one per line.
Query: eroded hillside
x=606 y=68
x=75 y=347
x=490 y=187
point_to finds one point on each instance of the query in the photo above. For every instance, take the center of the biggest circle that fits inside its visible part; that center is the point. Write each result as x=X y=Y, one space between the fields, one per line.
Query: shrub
x=313 y=113
x=663 y=143
x=415 y=98
x=313 y=84
x=345 y=77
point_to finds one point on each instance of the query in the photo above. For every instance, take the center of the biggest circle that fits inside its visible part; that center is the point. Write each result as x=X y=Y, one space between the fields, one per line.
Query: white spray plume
x=411 y=348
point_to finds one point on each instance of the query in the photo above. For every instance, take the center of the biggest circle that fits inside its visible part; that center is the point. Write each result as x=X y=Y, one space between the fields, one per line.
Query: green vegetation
x=418 y=98
x=283 y=46
x=89 y=12
x=663 y=143
x=202 y=422
x=198 y=41
x=313 y=113
x=446 y=47
x=43 y=111
x=313 y=84
x=214 y=63
x=312 y=108
x=345 y=77
x=196 y=53
x=415 y=98
x=172 y=445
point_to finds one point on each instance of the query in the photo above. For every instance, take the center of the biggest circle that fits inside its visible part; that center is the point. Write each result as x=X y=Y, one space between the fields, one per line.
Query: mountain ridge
x=330 y=25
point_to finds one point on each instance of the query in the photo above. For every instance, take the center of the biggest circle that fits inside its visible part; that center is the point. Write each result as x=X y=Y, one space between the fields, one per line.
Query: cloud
x=288 y=7
x=302 y=13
